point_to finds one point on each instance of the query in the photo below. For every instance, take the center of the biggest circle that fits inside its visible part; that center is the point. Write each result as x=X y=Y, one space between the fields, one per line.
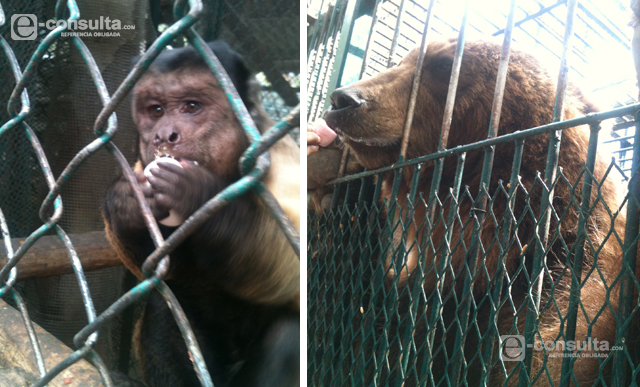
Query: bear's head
x=370 y=115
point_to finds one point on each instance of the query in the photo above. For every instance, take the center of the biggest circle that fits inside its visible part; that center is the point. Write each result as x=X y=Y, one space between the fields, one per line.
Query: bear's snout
x=345 y=104
x=346 y=97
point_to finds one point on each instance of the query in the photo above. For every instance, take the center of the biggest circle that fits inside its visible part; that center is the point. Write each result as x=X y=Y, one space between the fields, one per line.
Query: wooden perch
x=18 y=362
x=48 y=256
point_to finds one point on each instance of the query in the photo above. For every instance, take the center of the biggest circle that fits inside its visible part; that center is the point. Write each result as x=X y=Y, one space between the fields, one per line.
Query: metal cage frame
x=325 y=356
x=254 y=166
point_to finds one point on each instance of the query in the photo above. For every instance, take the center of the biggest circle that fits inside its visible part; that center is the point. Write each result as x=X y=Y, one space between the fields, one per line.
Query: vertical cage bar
x=496 y=287
x=435 y=182
x=445 y=260
x=374 y=21
x=582 y=245
x=448 y=108
x=396 y=35
x=316 y=31
x=627 y=283
x=313 y=70
x=415 y=86
x=531 y=324
x=392 y=303
x=480 y=204
x=323 y=62
x=338 y=187
x=414 y=286
x=343 y=45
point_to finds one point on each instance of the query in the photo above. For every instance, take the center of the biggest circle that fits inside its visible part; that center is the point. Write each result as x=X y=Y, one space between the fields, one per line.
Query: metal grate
x=448 y=315
x=255 y=164
x=601 y=32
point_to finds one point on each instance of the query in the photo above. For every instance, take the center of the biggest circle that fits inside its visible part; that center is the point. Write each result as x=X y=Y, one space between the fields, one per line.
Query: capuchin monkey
x=236 y=277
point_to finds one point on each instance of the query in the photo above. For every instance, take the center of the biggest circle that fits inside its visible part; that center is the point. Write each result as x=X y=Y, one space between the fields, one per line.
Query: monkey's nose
x=169 y=138
x=346 y=97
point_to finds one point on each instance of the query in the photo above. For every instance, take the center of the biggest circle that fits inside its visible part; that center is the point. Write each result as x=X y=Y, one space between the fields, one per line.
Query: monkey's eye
x=156 y=111
x=190 y=108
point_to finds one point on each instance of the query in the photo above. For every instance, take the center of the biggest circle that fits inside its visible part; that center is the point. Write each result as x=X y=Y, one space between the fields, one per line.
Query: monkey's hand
x=121 y=208
x=125 y=224
x=182 y=189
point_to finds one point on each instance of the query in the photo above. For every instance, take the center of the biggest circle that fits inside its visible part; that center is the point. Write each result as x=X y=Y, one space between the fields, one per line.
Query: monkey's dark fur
x=236 y=277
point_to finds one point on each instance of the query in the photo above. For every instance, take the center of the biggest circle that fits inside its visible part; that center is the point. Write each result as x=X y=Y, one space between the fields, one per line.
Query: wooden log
x=18 y=362
x=48 y=256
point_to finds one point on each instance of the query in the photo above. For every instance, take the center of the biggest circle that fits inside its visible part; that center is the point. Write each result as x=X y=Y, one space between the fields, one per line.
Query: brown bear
x=369 y=117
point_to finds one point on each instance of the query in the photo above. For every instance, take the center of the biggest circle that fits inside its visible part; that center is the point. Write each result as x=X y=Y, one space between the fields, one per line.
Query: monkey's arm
x=125 y=225
x=240 y=248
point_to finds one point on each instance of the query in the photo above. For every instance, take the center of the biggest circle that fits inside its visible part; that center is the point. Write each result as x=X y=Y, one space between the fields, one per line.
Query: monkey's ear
x=235 y=66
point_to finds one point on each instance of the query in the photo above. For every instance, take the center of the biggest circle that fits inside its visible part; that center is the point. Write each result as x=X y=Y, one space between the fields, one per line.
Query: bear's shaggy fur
x=372 y=129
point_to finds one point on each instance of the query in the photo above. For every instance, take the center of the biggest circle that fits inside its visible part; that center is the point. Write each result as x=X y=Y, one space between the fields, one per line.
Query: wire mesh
x=255 y=164
x=442 y=286
x=360 y=307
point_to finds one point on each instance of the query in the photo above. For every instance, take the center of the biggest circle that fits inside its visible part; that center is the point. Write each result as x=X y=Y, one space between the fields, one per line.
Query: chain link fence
x=460 y=283
x=63 y=95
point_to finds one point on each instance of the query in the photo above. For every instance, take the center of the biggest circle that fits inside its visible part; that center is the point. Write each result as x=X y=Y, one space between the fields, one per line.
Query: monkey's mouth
x=164 y=154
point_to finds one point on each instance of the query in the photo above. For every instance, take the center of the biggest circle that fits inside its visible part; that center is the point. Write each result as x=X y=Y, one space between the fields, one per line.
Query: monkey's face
x=186 y=115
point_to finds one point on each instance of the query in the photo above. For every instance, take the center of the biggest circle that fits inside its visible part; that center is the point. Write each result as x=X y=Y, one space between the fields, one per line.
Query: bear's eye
x=443 y=65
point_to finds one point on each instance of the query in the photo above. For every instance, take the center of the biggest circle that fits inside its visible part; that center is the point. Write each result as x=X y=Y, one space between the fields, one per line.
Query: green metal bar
x=378 y=277
x=336 y=194
x=315 y=94
x=495 y=289
x=330 y=295
x=230 y=92
x=531 y=324
x=365 y=208
x=264 y=142
x=437 y=171
x=338 y=188
x=562 y=125
x=374 y=21
x=576 y=280
x=341 y=54
x=438 y=166
x=345 y=152
x=445 y=261
x=415 y=85
x=320 y=18
x=378 y=190
x=392 y=305
x=480 y=204
x=407 y=129
x=396 y=35
x=448 y=109
x=628 y=281
x=415 y=285
x=386 y=236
